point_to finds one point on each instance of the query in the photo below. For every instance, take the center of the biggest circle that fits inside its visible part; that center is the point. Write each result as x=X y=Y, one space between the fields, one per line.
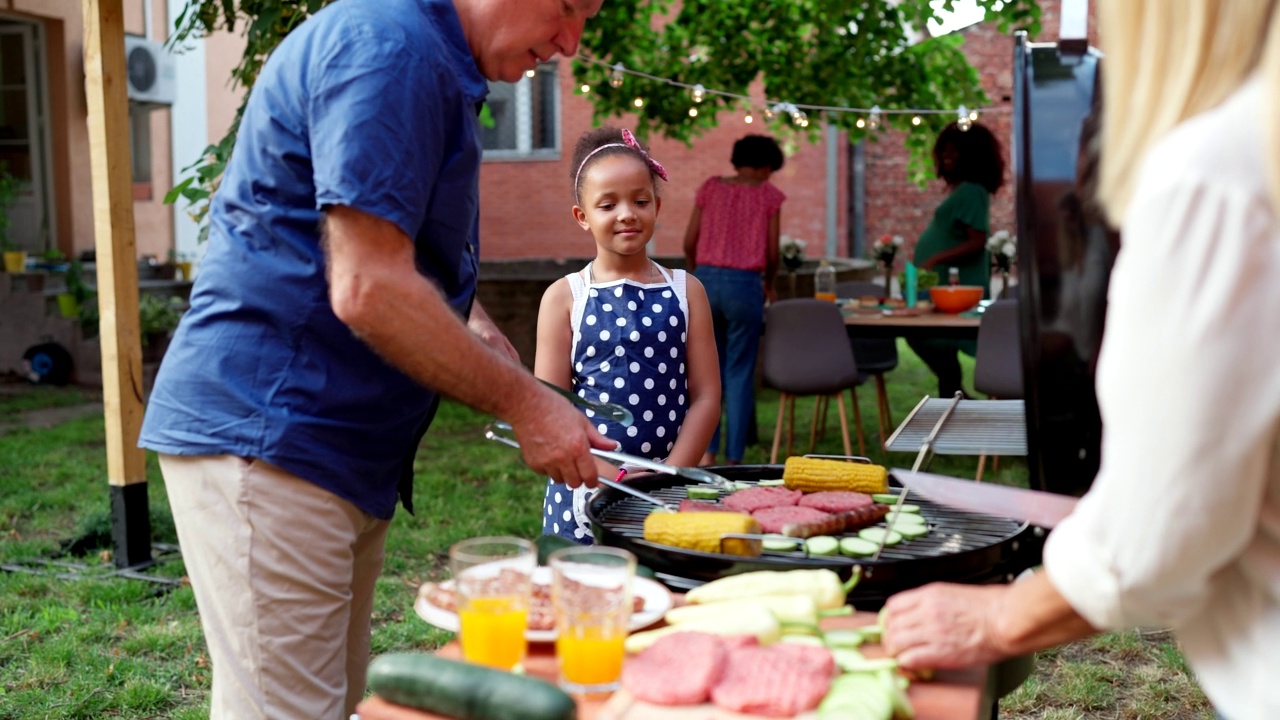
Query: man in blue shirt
x=327 y=316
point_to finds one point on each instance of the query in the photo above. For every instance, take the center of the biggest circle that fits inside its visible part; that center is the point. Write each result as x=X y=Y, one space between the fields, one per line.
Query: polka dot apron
x=628 y=348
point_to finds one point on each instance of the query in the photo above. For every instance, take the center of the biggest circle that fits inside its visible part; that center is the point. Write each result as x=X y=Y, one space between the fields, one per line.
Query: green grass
x=114 y=648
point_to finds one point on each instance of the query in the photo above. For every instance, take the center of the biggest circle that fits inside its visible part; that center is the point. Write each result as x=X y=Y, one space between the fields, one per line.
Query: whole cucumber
x=464 y=691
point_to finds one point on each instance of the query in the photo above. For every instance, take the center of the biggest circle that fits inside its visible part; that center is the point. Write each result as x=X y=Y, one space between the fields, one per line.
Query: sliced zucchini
x=856 y=697
x=904 y=519
x=870 y=633
x=794 y=639
x=911 y=531
x=771 y=483
x=847 y=656
x=848 y=639
x=702 y=492
x=909 y=508
x=823 y=545
x=896 y=686
x=879 y=534
x=886 y=498
x=782 y=543
x=857 y=547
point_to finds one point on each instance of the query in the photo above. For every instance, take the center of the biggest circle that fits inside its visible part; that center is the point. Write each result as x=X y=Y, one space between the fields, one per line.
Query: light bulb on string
x=860 y=123
x=769 y=114
x=585 y=88
x=638 y=102
x=798 y=117
x=748 y=119
x=693 y=112
x=873 y=122
x=530 y=72
x=615 y=80
x=915 y=120
x=962 y=119
x=699 y=93
x=973 y=115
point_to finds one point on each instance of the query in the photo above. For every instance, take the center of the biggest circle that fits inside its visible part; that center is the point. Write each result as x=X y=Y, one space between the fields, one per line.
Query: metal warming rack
x=971 y=427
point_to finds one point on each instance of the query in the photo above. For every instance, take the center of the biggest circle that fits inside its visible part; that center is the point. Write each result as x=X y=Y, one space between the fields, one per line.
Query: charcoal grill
x=961 y=546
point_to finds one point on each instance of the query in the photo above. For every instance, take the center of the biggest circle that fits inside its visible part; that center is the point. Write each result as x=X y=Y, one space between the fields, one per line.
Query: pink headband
x=628 y=141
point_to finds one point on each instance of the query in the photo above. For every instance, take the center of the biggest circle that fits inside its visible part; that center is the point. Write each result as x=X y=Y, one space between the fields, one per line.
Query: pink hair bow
x=631 y=142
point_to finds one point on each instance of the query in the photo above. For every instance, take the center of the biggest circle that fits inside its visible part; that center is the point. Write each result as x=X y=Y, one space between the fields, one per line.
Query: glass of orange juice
x=494 y=582
x=591 y=590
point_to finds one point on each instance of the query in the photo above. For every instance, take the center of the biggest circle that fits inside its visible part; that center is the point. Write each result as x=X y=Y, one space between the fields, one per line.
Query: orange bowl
x=955 y=298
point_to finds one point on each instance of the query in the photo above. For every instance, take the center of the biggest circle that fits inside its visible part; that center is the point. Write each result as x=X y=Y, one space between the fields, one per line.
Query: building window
x=526 y=117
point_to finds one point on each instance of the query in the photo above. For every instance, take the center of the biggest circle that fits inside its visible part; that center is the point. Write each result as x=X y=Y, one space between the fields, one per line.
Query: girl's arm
x=703 y=372
x=975 y=242
x=691 y=239
x=771 y=253
x=551 y=361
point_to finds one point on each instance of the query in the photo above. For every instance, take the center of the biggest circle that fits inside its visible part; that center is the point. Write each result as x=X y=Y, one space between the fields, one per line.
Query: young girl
x=624 y=329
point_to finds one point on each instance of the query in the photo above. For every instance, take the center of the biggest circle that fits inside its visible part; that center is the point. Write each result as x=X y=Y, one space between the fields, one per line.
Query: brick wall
x=526 y=204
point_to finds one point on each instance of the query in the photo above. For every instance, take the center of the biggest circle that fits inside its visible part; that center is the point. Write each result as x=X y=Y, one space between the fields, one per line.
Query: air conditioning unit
x=151 y=70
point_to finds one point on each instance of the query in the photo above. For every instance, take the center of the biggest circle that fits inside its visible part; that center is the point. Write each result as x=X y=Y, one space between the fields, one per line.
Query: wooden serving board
x=623 y=706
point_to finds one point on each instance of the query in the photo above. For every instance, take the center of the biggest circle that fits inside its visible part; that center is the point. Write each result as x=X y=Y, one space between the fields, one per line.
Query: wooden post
x=106 y=93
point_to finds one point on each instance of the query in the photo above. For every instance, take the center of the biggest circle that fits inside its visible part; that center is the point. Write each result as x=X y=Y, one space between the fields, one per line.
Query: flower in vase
x=792 y=251
x=1003 y=248
x=885 y=248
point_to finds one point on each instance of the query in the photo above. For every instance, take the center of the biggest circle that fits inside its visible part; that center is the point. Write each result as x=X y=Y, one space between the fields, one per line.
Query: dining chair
x=874 y=356
x=806 y=352
x=997 y=370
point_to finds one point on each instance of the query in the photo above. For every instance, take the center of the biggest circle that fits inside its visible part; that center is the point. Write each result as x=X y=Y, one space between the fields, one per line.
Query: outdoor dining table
x=926 y=325
x=950 y=695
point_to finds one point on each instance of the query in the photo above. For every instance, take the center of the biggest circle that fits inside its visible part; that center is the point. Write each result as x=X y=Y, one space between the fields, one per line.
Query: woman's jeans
x=737 y=311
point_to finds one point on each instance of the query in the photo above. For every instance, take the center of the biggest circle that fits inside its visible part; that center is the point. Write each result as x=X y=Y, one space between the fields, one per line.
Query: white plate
x=657 y=601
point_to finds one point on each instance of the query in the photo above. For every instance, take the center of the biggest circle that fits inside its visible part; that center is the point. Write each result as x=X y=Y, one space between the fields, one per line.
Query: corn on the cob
x=823 y=585
x=703 y=531
x=815 y=475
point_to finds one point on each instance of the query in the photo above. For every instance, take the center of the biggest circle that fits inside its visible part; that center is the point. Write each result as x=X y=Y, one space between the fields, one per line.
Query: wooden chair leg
x=777 y=430
x=982 y=461
x=823 y=401
x=995 y=463
x=844 y=423
x=813 y=427
x=886 y=418
x=791 y=424
x=857 y=420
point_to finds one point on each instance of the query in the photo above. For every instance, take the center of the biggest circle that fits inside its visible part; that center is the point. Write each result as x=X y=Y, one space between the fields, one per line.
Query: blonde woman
x=1181 y=528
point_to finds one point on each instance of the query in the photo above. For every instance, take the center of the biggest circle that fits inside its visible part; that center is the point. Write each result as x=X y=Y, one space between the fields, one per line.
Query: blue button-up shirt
x=370 y=104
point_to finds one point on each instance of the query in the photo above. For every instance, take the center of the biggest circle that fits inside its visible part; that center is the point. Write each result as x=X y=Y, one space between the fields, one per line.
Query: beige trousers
x=283 y=574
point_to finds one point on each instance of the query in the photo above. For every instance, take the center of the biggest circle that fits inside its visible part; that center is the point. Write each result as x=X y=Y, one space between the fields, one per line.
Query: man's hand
x=555 y=439
x=944 y=626
x=483 y=326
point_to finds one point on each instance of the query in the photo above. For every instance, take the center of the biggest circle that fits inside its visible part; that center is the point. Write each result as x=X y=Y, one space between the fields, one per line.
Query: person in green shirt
x=972 y=165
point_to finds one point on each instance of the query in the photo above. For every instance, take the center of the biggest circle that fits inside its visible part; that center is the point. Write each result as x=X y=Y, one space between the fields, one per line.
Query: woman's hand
x=944 y=626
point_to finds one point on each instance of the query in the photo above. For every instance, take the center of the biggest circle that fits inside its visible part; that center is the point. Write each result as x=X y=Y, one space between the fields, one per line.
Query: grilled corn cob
x=703 y=531
x=815 y=475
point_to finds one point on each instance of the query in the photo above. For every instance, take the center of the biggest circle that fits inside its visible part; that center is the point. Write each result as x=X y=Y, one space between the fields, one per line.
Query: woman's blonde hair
x=1168 y=60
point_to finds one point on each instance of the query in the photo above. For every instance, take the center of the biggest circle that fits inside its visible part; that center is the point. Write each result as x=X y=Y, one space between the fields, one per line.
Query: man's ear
x=580 y=216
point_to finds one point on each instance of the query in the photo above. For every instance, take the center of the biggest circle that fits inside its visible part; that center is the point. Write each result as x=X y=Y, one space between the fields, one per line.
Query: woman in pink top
x=731 y=245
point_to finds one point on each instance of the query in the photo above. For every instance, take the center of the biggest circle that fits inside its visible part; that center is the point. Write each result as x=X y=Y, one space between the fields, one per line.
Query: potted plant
x=15 y=258
x=158 y=316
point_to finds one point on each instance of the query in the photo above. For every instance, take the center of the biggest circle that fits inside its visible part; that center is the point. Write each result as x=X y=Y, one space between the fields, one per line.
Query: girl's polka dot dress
x=628 y=349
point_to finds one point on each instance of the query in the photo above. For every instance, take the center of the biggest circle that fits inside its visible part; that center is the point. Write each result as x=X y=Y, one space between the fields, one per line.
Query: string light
x=530 y=72
x=769 y=109
x=748 y=119
x=962 y=119
x=585 y=88
x=693 y=112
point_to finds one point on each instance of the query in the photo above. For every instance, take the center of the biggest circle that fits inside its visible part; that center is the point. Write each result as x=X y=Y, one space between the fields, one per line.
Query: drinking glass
x=591 y=590
x=494 y=583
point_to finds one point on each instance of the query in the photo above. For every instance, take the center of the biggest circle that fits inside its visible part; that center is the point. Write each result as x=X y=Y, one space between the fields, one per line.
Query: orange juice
x=829 y=297
x=591 y=655
x=492 y=631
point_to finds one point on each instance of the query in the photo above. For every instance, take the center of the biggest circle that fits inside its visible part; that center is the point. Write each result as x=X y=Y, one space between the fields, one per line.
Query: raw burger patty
x=679 y=669
x=772 y=519
x=769 y=681
x=836 y=501
x=752 y=499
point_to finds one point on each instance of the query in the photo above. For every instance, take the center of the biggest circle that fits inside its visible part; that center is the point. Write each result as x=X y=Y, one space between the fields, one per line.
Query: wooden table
x=932 y=325
x=952 y=695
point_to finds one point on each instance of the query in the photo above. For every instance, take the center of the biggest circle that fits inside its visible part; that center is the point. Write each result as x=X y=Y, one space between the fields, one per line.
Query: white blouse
x=1181 y=528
